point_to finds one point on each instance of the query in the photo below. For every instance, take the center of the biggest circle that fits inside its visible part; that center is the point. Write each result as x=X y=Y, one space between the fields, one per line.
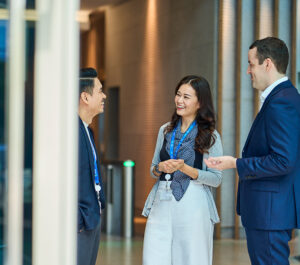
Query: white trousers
x=179 y=233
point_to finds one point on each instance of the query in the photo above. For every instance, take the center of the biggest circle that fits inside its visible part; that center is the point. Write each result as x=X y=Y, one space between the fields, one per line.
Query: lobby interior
x=140 y=49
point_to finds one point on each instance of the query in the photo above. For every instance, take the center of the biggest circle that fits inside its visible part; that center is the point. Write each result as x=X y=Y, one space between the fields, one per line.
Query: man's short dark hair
x=87 y=80
x=272 y=48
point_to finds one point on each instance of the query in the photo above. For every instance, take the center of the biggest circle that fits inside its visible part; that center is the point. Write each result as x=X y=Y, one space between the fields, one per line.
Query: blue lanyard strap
x=172 y=155
x=96 y=174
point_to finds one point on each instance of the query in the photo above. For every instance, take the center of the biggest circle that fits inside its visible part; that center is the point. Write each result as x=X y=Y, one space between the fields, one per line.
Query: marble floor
x=120 y=251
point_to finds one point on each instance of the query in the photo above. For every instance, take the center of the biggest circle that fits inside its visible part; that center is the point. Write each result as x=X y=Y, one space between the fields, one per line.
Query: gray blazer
x=209 y=177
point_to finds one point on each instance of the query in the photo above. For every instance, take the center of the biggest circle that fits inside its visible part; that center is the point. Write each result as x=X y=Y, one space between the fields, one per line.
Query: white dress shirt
x=93 y=149
x=88 y=133
x=269 y=89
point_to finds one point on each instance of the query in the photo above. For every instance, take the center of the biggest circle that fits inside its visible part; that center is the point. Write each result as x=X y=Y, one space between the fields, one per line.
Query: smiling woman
x=180 y=208
x=186 y=102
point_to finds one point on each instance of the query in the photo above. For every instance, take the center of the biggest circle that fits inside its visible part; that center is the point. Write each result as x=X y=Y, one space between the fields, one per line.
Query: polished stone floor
x=120 y=251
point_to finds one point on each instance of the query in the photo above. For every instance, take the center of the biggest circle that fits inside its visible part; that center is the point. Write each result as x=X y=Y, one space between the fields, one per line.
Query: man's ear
x=269 y=64
x=84 y=97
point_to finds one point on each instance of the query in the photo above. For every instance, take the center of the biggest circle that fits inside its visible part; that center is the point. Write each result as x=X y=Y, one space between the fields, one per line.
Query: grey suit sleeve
x=209 y=176
x=159 y=144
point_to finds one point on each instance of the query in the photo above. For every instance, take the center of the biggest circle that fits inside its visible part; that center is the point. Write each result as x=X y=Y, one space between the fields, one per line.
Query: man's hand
x=221 y=163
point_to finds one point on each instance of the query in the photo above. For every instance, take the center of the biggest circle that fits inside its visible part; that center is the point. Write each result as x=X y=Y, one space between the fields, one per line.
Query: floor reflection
x=120 y=251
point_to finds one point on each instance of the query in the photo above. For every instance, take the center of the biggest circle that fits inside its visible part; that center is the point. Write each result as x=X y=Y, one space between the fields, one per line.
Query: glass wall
x=29 y=91
x=3 y=3
x=3 y=34
x=28 y=130
x=57 y=74
x=30 y=4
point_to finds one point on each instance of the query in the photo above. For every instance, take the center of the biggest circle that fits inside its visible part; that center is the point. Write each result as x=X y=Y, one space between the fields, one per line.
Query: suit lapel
x=88 y=146
x=98 y=164
x=257 y=118
x=261 y=112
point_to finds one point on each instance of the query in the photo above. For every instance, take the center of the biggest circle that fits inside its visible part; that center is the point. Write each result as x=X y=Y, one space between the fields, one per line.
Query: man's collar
x=85 y=124
x=269 y=89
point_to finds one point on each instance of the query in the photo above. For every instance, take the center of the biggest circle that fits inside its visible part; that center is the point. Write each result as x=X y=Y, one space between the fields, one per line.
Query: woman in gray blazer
x=180 y=207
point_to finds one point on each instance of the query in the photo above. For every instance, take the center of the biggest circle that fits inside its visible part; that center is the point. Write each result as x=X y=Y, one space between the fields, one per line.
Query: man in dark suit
x=90 y=190
x=269 y=170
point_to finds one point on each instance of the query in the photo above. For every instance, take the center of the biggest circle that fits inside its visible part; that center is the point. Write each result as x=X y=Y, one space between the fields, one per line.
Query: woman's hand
x=168 y=166
x=187 y=170
x=172 y=165
x=179 y=164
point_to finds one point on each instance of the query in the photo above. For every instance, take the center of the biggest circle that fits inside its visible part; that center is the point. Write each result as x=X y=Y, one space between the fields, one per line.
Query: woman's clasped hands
x=171 y=165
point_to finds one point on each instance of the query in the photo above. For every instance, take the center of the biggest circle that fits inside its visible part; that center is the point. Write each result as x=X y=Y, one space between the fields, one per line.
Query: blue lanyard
x=96 y=175
x=172 y=155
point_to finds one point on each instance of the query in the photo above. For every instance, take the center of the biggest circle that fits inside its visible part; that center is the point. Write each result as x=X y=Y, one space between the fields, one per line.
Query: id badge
x=166 y=195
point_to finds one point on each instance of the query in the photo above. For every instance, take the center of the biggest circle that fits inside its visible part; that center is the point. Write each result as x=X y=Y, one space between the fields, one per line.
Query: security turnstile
x=119 y=190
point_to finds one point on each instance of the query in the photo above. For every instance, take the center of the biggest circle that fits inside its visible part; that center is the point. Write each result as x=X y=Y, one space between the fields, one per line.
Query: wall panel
x=150 y=46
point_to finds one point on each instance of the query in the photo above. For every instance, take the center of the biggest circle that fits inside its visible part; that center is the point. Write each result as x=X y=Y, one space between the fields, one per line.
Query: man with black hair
x=90 y=189
x=269 y=171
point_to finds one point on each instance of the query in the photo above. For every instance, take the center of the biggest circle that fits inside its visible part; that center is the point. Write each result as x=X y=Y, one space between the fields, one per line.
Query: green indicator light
x=128 y=163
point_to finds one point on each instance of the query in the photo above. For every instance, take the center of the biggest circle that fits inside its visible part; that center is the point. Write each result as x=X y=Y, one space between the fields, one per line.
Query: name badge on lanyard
x=173 y=155
x=166 y=195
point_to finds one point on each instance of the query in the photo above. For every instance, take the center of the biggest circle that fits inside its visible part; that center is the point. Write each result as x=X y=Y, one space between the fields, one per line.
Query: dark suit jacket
x=269 y=170
x=88 y=206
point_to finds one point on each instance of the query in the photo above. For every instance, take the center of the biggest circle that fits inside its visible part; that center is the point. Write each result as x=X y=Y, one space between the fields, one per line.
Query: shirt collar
x=269 y=89
x=85 y=124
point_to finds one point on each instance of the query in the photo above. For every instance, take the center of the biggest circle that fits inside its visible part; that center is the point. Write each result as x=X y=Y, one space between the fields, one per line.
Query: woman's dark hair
x=205 y=116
